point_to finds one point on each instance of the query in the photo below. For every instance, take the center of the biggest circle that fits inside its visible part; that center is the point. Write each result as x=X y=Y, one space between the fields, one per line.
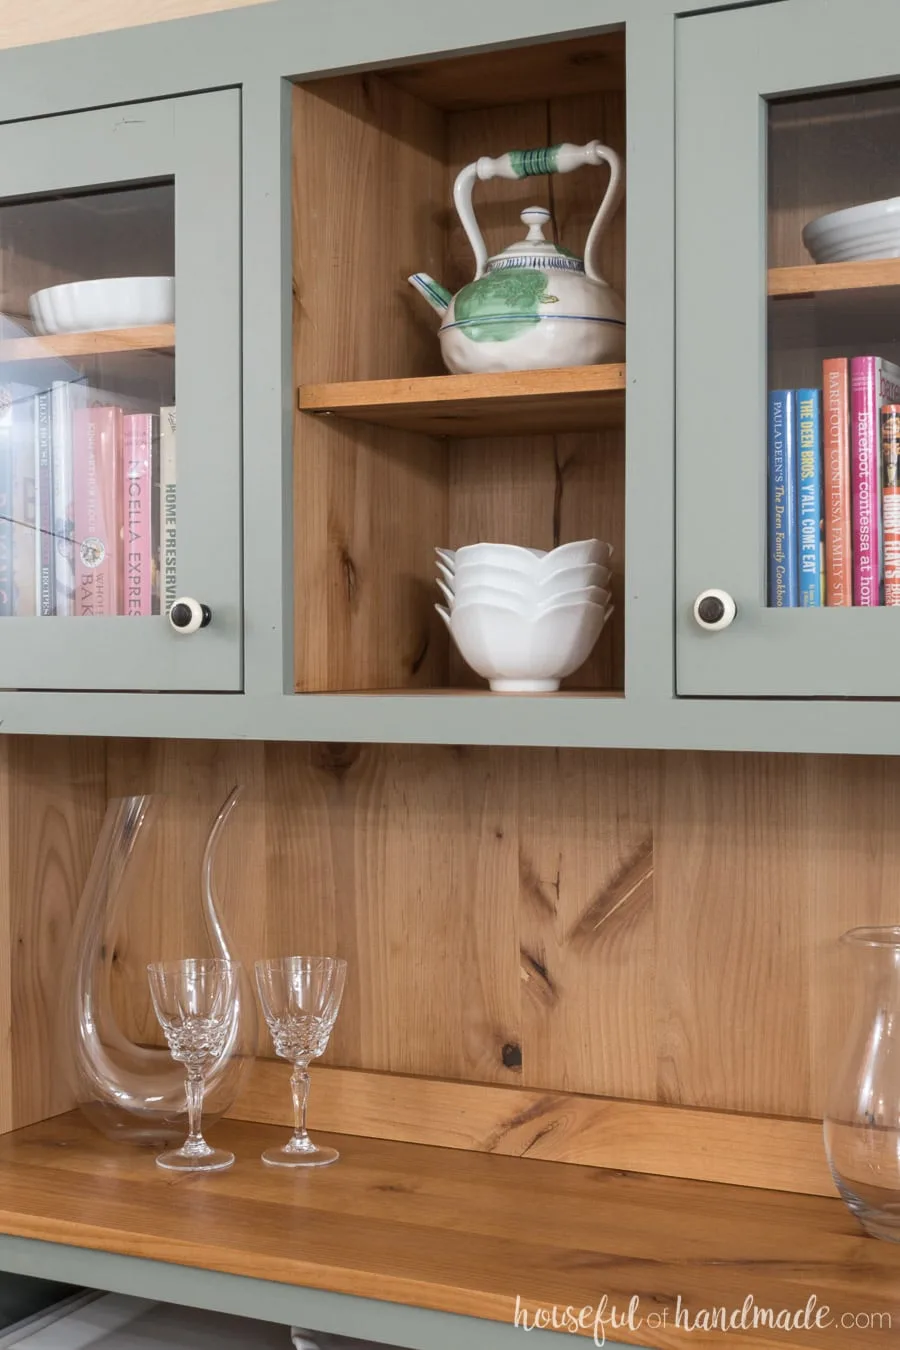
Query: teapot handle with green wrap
x=526 y=163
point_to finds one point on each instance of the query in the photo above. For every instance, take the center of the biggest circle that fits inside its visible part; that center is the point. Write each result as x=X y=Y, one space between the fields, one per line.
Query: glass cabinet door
x=119 y=398
x=788 y=351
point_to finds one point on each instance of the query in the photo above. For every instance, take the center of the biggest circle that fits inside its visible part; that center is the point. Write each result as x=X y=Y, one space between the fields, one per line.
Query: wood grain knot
x=537 y=979
x=335 y=757
x=623 y=899
x=511 y=1054
x=419 y=659
x=543 y=898
x=350 y=575
x=529 y=1115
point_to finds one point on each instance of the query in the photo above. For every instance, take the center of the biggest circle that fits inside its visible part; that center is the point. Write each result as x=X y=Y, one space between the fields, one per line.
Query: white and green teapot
x=534 y=305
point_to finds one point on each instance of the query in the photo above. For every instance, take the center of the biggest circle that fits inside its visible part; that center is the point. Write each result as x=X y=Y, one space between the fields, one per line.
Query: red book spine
x=838 y=536
x=864 y=469
x=97 y=464
x=137 y=515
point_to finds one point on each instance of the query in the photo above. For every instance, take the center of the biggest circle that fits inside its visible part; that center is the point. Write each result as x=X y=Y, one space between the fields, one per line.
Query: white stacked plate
x=522 y=618
x=856 y=234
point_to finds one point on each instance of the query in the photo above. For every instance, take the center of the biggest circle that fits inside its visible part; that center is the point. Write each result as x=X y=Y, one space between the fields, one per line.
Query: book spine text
x=137 y=514
x=837 y=493
x=97 y=453
x=783 y=592
x=809 y=497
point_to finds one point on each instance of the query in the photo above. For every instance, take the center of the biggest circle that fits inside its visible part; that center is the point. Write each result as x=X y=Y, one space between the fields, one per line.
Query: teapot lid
x=534 y=250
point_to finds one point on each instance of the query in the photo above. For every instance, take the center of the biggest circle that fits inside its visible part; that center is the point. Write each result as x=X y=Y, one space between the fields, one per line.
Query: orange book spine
x=890 y=460
x=838 y=490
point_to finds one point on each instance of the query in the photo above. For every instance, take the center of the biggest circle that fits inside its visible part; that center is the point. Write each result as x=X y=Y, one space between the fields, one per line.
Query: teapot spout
x=437 y=295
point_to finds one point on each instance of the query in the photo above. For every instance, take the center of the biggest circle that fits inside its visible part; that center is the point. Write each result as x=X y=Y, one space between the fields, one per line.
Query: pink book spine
x=865 y=479
x=137 y=499
x=97 y=474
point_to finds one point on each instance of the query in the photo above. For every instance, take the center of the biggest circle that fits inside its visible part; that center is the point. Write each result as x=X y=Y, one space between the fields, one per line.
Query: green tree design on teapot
x=535 y=304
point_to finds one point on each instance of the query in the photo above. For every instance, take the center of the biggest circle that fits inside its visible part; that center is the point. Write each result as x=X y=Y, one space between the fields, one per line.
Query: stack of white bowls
x=523 y=618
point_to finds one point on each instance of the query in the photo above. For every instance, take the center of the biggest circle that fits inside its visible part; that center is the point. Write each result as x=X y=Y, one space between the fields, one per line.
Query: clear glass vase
x=862 y=1115
x=128 y=1089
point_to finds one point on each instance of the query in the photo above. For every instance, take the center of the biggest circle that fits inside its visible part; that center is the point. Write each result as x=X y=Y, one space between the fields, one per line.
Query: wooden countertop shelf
x=815 y=278
x=577 y=398
x=152 y=337
x=462 y=1232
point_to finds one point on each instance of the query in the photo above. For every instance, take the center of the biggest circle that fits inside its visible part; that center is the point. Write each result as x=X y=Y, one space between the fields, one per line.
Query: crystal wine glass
x=300 y=997
x=194 y=1002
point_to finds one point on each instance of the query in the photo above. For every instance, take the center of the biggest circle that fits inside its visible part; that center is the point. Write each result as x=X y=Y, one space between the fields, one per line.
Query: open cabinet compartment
x=374 y=160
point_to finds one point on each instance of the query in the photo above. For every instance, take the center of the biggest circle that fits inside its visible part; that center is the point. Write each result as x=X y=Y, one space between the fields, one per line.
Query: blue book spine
x=809 y=496
x=783 y=592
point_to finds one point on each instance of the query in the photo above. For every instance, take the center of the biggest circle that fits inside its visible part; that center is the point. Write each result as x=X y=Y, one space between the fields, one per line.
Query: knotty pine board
x=467 y=1233
x=52 y=799
x=632 y=924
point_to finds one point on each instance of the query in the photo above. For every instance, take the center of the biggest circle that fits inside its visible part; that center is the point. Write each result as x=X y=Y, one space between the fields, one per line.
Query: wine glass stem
x=194 y=1093
x=300 y=1092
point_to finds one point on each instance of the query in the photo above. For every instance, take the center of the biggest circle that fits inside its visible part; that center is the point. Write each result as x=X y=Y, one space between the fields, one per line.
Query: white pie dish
x=108 y=302
x=856 y=233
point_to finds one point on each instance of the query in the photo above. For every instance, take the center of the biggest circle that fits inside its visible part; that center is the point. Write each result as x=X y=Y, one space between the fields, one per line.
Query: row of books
x=88 y=504
x=834 y=487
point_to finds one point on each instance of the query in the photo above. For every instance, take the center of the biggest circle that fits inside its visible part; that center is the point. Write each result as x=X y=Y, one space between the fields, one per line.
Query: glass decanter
x=862 y=1115
x=127 y=1086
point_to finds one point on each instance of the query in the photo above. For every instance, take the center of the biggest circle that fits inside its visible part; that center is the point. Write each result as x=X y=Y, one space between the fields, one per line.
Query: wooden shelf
x=814 y=278
x=153 y=337
x=459 y=1232
x=577 y=398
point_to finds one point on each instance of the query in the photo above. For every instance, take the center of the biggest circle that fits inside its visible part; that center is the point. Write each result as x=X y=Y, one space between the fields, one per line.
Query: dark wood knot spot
x=511 y=1054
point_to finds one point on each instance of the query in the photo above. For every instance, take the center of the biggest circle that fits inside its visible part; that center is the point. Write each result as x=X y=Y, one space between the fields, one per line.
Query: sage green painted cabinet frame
x=195 y=141
x=260 y=50
x=367 y=1319
x=807 y=45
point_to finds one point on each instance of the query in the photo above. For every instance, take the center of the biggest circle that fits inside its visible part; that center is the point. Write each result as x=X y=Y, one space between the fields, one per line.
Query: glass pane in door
x=87 y=404
x=834 y=349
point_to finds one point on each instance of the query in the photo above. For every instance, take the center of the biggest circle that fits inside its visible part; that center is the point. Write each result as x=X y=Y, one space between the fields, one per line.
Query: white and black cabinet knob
x=187 y=615
x=714 y=610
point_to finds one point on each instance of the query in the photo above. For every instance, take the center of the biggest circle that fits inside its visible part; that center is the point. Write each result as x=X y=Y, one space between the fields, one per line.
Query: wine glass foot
x=214 y=1160
x=292 y=1155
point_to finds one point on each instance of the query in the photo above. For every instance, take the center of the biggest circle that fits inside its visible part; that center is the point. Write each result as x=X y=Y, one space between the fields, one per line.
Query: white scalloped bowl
x=521 y=584
x=533 y=562
x=528 y=608
x=521 y=655
x=108 y=302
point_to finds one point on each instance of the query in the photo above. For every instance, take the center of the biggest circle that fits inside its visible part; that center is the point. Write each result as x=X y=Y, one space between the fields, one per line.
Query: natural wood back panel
x=370 y=504
x=26 y=21
x=630 y=924
x=163 y=919
x=657 y=927
x=52 y=800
